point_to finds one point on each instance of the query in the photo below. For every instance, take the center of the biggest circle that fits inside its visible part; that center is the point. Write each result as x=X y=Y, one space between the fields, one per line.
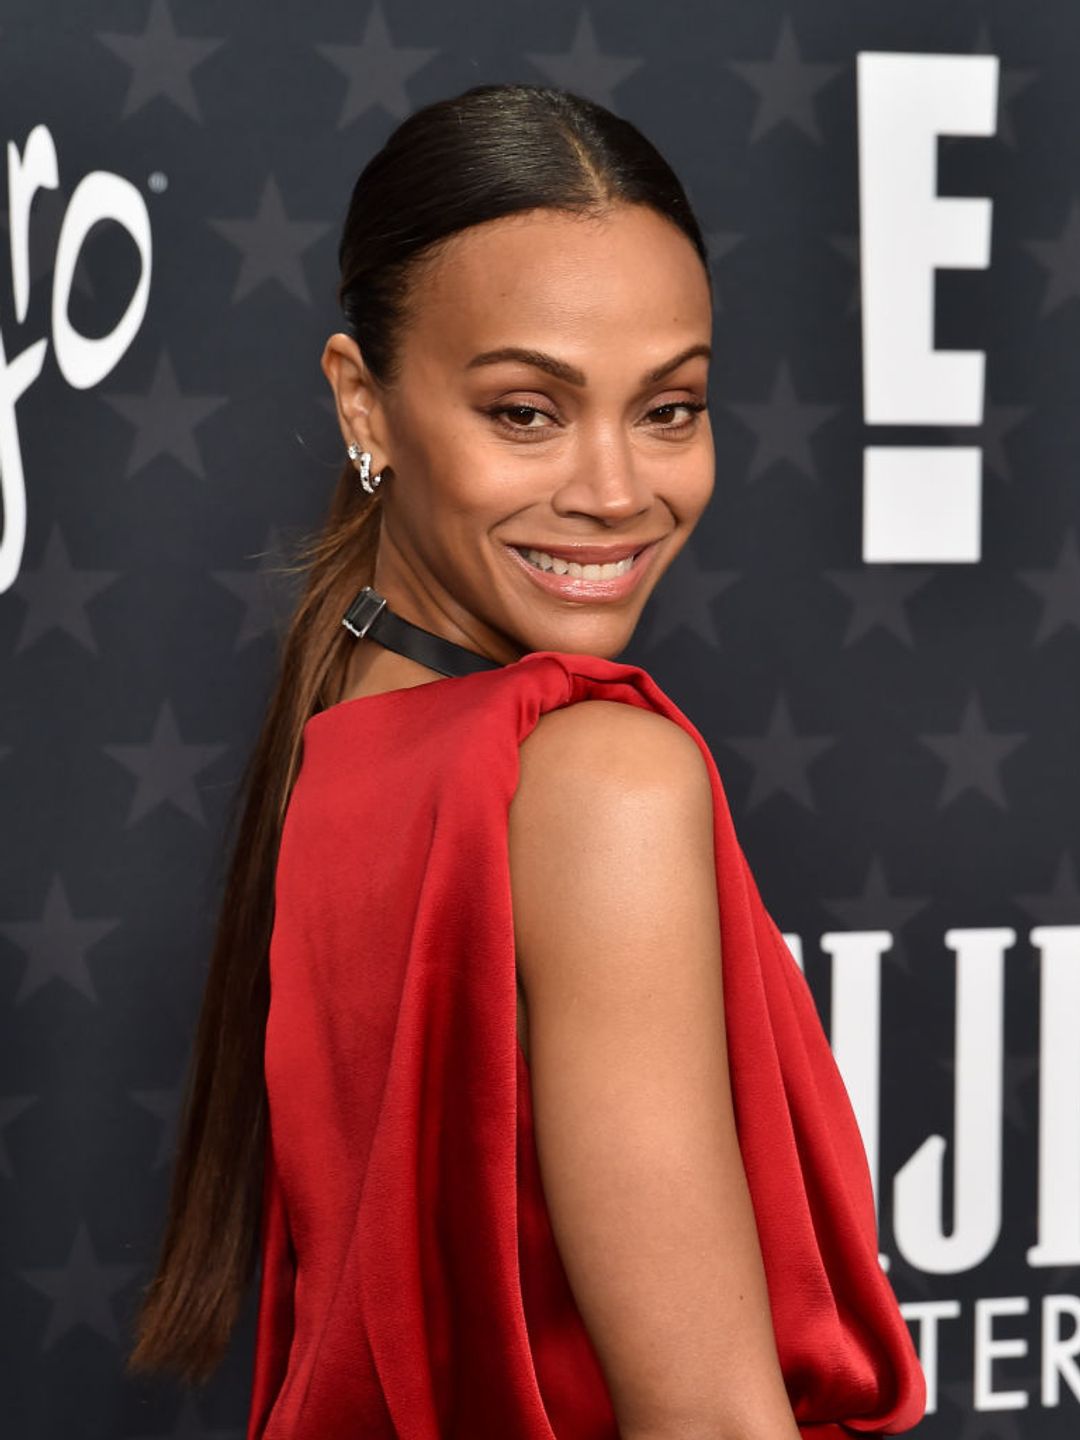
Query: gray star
x=271 y=245
x=165 y=420
x=686 y=598
x=780 y=757
x=165 y=767
x=161 y=61
x=973 y=755
x=848 y=247
x=786 y=85
x=164 y=1105
x=585 y=68
x=56 y=595
x=1062 y=258
x=998 y=421
x=1059 y=588
x=1060 y=905
x=719 y=244
x=56 y=944
x=11 y=1107
x=876 y=908
x=1012 y=81
x=189 y=1426
x=878 y=594
x=783 y=425
x=81 y=1291
x=258 y=589
x=376 y=70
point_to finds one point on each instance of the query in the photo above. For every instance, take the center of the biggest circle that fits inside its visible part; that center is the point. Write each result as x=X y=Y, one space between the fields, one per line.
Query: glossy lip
x=576 y=587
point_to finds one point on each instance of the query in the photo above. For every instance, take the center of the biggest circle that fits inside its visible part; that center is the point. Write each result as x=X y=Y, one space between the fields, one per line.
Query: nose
x=606 y=481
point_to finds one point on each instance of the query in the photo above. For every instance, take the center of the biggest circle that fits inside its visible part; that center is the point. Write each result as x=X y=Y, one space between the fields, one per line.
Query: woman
x=647 y=1215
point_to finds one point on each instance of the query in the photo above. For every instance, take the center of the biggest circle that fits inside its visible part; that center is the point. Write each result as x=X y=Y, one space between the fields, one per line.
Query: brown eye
x=694 y=406
x=499 y=411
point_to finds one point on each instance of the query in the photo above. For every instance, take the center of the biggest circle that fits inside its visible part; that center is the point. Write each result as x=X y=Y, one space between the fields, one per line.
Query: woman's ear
x=358 y=405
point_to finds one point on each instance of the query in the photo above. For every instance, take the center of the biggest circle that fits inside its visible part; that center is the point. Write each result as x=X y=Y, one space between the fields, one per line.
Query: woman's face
x=492 y=453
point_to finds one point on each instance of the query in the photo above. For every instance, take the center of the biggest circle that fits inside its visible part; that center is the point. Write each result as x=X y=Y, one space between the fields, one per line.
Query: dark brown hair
x=492 y=151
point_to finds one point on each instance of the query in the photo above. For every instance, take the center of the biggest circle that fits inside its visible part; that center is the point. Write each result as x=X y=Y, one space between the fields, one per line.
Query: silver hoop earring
x=367 y=480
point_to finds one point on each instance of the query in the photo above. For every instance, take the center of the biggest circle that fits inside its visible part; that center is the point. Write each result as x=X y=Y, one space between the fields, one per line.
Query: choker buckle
x=363 y=612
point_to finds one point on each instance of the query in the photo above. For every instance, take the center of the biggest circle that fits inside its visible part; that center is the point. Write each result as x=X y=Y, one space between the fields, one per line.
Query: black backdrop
x=876 y=625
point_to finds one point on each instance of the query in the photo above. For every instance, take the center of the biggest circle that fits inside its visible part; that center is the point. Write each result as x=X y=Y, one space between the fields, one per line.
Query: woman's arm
x=617 y=930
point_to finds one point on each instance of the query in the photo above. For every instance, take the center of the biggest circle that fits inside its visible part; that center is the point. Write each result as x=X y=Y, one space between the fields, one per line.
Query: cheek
x=446 y=460
x=477 y=495
x=695 y=483
x=458 y=498
x=707 y=483
x=484 y=484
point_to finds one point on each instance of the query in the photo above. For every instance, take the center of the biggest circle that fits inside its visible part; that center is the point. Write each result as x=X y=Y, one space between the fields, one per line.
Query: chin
x=608 y=645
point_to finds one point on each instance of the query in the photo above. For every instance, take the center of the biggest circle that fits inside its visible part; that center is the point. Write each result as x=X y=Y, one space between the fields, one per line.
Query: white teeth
x=543 y=561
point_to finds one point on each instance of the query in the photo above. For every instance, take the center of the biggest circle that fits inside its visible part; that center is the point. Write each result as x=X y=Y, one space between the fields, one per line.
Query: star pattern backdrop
x=898 y=742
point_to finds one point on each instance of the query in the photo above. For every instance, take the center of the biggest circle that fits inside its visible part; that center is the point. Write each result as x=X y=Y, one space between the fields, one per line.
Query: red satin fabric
x=411 y=1287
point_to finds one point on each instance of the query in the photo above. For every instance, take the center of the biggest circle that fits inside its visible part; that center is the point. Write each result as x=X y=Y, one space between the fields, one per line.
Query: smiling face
x=596 y=449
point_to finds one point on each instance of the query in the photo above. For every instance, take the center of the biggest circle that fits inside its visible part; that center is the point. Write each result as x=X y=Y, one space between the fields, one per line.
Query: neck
x=370 y=615
x=372 y=669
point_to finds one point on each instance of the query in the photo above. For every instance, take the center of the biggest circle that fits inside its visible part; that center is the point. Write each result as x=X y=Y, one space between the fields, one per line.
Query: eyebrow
x=570 y=373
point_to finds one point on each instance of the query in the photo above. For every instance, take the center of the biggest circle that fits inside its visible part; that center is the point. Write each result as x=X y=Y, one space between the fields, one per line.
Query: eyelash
x=696 y=406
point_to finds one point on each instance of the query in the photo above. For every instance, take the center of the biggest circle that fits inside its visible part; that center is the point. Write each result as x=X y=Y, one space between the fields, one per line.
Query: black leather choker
x=369 y=614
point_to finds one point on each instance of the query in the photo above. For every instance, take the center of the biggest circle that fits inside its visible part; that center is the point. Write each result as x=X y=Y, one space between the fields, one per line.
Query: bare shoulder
x=611 y=747
x=606 y=792
x=618 y=945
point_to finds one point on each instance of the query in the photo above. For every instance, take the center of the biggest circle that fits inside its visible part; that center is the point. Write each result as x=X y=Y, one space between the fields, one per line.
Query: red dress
x=411 y=1287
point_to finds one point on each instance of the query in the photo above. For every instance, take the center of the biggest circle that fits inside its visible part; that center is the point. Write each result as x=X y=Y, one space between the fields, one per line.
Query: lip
x=576 y=587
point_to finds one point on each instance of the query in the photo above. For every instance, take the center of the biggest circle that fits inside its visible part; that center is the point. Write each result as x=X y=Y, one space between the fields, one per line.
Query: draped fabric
x=410 y=1284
